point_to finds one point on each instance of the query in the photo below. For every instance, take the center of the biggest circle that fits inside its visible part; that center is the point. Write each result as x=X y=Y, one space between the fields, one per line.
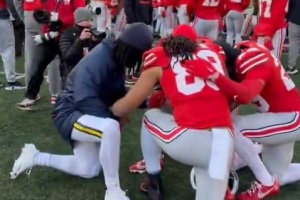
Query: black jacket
x=138 y=11
x=293 y=14
x=72 y=48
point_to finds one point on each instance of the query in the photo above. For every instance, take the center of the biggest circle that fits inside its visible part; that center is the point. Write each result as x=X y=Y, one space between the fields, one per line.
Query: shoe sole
x=26 y=108
x=292 y=73
x=137 y=171
x=14 y=88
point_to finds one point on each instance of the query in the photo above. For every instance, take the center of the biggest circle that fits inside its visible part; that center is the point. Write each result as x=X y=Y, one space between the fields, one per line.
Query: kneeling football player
x=261 y=80
x=208 y=134
x=82 y=113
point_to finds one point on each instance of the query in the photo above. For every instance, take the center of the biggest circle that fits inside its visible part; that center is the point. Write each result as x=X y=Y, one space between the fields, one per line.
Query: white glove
x=38 y=39
x=50 y=35
x=54 y=17
x=254 y=20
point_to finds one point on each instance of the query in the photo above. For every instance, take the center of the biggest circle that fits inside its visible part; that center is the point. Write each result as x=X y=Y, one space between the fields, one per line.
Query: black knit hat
x=137 y=35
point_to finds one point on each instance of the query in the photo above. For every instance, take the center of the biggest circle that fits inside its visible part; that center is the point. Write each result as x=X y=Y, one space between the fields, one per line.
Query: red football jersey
x=208 y=9
x=237 y=5
x=279 y=93
x=271 y=17
x=196 y=103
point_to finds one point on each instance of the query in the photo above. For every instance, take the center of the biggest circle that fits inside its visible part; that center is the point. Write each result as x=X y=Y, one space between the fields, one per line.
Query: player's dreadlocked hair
x=179 y=46
x=127 y=55
x=231 y=56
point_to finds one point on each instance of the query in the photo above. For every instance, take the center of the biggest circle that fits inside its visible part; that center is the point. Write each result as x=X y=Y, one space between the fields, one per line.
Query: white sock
x=42 y=159
x=238 y=163
x=69 y=164
x=109 y=158
x=151 y=151
x=244 y=147
x=291 y=175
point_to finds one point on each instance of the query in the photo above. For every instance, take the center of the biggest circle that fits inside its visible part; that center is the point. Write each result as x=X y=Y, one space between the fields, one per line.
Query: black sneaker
x=15 y=86
x=292 y=71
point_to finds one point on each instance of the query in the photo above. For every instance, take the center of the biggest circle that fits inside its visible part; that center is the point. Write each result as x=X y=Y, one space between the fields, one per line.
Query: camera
x=95 y=10
x=42 y=16
x=97 y=34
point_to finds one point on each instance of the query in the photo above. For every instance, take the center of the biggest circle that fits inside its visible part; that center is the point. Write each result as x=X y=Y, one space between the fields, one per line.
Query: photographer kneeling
x=76 y=41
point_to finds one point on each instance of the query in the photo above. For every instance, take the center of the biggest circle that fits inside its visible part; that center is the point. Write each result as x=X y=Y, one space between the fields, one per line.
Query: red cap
x=185 y=31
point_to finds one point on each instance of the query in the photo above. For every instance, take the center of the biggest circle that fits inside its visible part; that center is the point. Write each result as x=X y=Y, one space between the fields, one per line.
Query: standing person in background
x=138 y=11
x=59 y=16
x=19 y=31
x=250 y=19
x=207 y=16
x=7 y=42
x=165 y=12
x=270 y=30
x=293 y=17
x=103 y=12
x=33 y=28
x=235 y=19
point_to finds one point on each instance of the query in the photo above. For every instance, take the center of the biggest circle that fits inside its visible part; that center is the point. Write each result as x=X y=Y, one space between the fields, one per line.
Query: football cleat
x=144 y=186
x=155 y=189
x=140 y=166
x=257 y=191
x=116 y=195
x=233 y=184
x=25 y=161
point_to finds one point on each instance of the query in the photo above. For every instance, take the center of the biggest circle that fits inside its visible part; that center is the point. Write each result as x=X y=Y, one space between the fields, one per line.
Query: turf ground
x=19 y=127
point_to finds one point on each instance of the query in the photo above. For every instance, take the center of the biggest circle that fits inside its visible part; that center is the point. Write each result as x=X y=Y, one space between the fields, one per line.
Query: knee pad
x=89 y=170
x=112 y=129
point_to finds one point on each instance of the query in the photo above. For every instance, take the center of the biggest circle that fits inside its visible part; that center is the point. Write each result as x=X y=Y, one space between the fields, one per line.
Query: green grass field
x=36 y=127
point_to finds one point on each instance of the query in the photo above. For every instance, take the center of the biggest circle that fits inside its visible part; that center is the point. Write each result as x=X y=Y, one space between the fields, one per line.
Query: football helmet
x=233 y=184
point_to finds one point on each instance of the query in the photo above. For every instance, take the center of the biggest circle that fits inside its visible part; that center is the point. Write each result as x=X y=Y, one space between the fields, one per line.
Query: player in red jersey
x=235 y=19
x=207 y=16
x=182 y=11
x=271 y=28
x=276 y=126
x=103 y=10
x=167 y=16
x=187 y=130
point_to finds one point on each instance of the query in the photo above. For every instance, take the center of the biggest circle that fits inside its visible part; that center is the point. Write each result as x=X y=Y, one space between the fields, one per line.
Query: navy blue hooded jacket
x=94 y=85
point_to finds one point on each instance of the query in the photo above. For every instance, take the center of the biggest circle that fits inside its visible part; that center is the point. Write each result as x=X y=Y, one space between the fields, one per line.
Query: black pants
x=47 y=52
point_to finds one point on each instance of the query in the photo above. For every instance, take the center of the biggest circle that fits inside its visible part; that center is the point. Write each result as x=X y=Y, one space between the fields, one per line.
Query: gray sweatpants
x=205 y=150
x=54 y=78
x=277 y=132
x=234 y=24
x=294 y=44
x=208 y=28
x=33 y=28
x=7 y=49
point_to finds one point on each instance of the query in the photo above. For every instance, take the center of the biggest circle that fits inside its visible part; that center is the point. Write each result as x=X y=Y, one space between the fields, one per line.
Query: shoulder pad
x=155 y=57
x=250 y=58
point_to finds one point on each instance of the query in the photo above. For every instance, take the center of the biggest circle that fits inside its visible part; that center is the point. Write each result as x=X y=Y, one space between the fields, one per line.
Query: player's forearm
x=243 y=92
